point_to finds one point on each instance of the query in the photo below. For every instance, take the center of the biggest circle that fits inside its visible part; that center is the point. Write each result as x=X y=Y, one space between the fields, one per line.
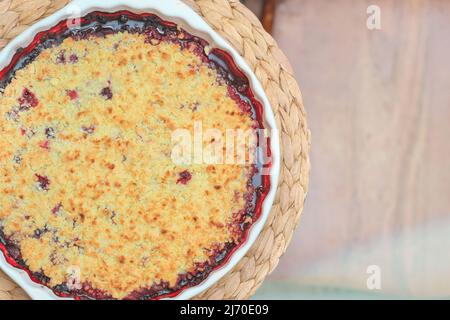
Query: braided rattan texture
x=243 y=30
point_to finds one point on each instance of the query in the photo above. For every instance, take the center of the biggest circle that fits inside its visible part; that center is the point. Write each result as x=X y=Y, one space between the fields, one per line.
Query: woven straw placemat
x=243 y=30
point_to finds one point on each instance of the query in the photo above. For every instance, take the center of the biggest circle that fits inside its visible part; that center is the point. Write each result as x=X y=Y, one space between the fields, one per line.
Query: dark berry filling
x=28 y=100
x=106 y=93
x=72 y=94
x=73 y=58
x=56 y=208
x=50 y=133
x=88 y=130
x=43 y=182
x=184 y=177
x=61 y=58
x=45 y=144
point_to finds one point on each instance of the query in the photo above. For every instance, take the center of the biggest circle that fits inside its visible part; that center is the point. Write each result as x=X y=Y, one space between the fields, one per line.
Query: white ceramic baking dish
x=177 y=11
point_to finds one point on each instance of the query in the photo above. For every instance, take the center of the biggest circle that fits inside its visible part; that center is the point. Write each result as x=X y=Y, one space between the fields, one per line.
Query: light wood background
x=378 y=106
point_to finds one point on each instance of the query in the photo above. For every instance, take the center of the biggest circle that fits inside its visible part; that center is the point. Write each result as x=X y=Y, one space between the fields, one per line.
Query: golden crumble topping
x=86 y=176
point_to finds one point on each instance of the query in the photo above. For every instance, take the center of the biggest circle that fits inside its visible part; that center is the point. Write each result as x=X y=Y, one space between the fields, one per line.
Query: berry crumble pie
x=91 y=203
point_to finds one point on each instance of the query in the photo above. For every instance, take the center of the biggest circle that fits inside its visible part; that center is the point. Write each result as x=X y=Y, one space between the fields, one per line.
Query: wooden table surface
x=378 y=105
